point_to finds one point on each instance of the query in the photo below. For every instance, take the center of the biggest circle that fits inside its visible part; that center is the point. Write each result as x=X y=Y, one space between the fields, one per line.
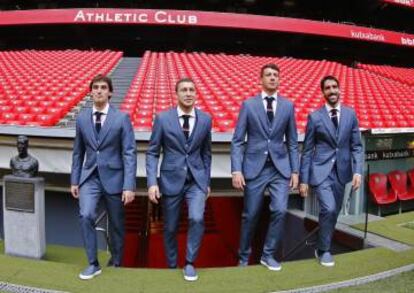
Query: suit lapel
x=176 y=122
x=90 y=127
x=260 y=111
x=278 y=114
x=198 y=127
x=343 y=122
x=109 y=121
x=328 y=123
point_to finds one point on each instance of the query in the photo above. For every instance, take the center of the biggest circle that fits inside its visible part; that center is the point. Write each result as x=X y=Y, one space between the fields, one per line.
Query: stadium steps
x=122 y=76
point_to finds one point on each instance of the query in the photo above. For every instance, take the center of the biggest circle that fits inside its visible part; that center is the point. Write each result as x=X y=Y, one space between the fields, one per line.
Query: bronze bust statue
x=24 y=165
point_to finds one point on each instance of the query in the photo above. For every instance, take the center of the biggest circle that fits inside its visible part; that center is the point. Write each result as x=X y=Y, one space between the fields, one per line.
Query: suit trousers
x=91 y=192
x=278 y=187
x=330 y=195
x=171 y=206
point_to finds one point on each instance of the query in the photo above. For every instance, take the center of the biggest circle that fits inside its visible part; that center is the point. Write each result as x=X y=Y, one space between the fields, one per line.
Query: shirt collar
x=264 y=95
x=181 y=112
x=329 y=107
x=104 y=111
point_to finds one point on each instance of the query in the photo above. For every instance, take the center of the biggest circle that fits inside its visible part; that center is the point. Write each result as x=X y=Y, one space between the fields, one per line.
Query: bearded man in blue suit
x=104 y=165
x=332 y=157
x=265 y=161
x=184 y=136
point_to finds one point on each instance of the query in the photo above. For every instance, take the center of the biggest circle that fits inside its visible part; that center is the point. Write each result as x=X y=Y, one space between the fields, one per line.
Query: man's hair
x=328 y=77
x=185 y=79
x=102 y=78
x=269 y=65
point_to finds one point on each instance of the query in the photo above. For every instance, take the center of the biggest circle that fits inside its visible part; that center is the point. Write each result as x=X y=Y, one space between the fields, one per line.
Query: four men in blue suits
x=332 y=157
x=106 y=137
x=184 y=136
x=265 y=161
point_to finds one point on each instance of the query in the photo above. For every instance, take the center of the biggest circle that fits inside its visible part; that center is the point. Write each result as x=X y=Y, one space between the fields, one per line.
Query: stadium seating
x=399 y=185
x=378 y=187
x=225 y=81
x=38 y=88
x=403 y=75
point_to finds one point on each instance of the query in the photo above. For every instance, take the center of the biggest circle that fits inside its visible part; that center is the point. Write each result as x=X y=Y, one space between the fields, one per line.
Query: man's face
x=186 y=94
x=331 y=92
x=270 y=80
x=100 y=93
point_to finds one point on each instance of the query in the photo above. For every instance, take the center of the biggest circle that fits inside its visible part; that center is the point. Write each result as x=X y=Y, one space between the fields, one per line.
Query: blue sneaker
x=190 y=274
x=243 y=263
x=271 y=263
x=325 y=258
x=90 y=272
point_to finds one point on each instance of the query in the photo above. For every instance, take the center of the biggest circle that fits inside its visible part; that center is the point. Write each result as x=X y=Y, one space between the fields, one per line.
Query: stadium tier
x=403 y=75
x=40 y=87
x=224 y=81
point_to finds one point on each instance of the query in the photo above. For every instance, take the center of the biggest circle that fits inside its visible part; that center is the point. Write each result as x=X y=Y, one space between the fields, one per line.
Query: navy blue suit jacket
x=179 y=154
x=324 y=145
x=264 y=139
x=113 y=151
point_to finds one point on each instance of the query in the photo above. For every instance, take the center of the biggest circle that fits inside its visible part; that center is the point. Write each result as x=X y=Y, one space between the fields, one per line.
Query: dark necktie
x=186 y=125
x=334 y=117
x=269 y=108
x=98 y=123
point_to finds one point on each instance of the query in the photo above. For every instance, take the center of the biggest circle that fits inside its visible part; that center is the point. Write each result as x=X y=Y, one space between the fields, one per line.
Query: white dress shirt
x=191 y=121
x=338 y=112
x=103 y=116
x=274 y=103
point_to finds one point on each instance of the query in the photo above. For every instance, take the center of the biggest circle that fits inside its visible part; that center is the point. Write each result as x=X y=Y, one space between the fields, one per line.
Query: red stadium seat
x=399 y=184
x=379 y=190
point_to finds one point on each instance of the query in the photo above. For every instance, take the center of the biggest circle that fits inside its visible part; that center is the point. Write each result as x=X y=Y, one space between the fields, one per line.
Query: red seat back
x=398 y=181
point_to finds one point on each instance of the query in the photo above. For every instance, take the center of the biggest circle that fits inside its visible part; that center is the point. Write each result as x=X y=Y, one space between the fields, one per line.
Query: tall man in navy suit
x=105 y=135
x=332 y=157
x=264 y=161
x=184 y=135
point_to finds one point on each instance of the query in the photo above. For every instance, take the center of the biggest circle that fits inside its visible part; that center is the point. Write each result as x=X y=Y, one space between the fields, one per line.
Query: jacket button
x=333 y=160
x=97 y=152
x=265 y=153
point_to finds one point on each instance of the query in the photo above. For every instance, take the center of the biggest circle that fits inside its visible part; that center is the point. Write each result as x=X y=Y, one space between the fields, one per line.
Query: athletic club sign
x=160 y=16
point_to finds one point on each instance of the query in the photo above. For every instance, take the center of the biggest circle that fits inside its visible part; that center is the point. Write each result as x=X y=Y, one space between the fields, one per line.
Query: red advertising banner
x=203 y=19
x=408 y=3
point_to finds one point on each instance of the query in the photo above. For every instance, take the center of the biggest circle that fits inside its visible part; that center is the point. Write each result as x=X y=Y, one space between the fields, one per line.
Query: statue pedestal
x=24 y=216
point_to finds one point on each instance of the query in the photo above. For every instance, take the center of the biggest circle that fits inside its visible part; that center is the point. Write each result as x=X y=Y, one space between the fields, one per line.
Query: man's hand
x=154 y=194
x=128 y=196
x=294 y=181
x=238 y=180
x=356 y=182
x=74 y=190
x=304 y=189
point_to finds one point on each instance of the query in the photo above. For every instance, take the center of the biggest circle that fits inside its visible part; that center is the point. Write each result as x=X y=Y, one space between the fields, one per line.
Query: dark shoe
x=111 y=263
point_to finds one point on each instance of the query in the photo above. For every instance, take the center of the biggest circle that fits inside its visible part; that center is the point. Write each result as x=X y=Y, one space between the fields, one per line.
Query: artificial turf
x=60 y=269
x=392 y=227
